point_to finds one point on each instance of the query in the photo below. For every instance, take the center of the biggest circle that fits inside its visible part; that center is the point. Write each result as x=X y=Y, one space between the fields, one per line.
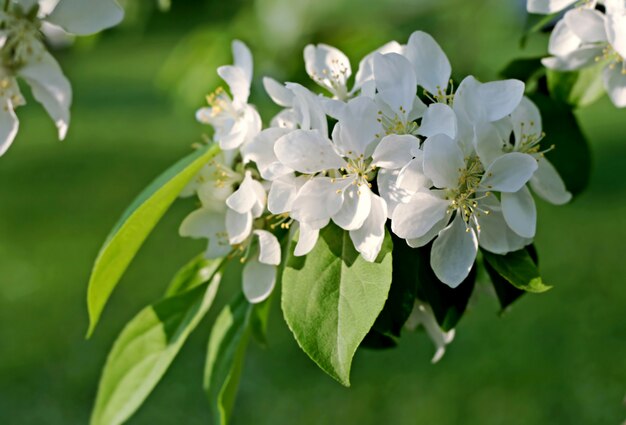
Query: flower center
x=221 y=103
x=335 y=77
x=463 y=198
x=23 y=39
x=613 y=58
x=398 y=124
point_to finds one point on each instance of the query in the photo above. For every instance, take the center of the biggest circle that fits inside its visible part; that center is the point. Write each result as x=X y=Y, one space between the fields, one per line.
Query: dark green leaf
x=145 y=349
x=507 y=294
x=331 y=298
x=375 y=340
x=517 y=268
x=403 y=289
x=528 y=70
x=535 y=23
x=225 y=358
x=134 y=227
x=571 y=155
x=577 y=88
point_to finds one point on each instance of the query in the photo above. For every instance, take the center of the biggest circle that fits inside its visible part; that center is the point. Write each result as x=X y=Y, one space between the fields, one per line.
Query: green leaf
x=403 y=292
x=375 y=340
x=134 y=227
x=507 y=294
x=196 y=272
x=577 y=88
x=225 y=357
x=535 y=23
x=448 y=304
x=331 y=298
x=517 y=268
x=571 y=155
x=144 y=351
x=529 y=70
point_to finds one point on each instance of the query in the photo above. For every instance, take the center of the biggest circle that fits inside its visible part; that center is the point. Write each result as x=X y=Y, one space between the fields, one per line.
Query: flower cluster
x=23 y=54
x=400 y=148
x=592 y=32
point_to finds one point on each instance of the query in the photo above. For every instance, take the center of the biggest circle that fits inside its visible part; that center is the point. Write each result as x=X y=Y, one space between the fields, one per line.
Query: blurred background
x=557 y=358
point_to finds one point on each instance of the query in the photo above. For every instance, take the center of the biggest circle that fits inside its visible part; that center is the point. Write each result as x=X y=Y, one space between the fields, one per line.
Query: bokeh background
x=557 y=358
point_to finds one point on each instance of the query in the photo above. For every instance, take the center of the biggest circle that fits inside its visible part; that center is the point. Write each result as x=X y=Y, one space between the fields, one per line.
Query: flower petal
x=577 y=59
x=269 y=248
x=587 y=24
x=615 y=84
x=431 y=65
x=526 y=120
x=395 y=81
x=261 y=151
x=430 y=235
x=50 y=87
x=546 y=7
x=415 y=218
x=357 y=203
x=280 y=94
x=317 y=201
x=368 y=239
x=453 y=253
x=283 y=192
x=563 y=40
x=203 y=223
x=412 y=177
x=307 y=151
x=520 y=212
x=358 y=127
x=244 y=198
x=365 y=72
x=495 y=235
x=548 y=184
x=329 y=67
x=389 y=190
x=395 y=151
x=438 y=119
x=258 y=281
x=242 y=59
x=238 y=226
x=238 y=83
x=443 y=161
x=85 y=17
x=616 y=31
x=306 y=240
x=9 y=125
x=309 y=109
x=509 y=173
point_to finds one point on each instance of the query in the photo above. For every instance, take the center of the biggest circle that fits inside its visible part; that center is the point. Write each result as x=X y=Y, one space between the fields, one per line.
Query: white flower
x=430 y=64
x=259 y=271
x=234 y=120
x=587 y=36
x=24 y=55
x=463 y=187
x=423 y=315
x=339 y=170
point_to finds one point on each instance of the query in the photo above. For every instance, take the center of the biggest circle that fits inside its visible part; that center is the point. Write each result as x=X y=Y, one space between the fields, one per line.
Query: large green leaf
x=134 y=227
x=225 y=357
x=571 y=155
x=196 y=272
x=577 y=88
x=145 y=349
x=517 y=268
x=331 y=298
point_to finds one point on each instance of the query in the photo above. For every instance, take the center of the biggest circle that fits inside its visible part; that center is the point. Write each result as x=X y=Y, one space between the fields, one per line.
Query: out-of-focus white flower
x=234 y=120
x=24 y=55
x=422 y=315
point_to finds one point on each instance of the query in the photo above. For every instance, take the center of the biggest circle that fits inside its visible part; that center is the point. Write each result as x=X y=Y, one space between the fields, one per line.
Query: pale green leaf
x=519 y=269
x=134 y=227
x=332 y=297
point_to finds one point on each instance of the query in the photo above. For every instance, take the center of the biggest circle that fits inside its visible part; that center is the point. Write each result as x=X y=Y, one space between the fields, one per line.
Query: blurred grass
x=558 y=358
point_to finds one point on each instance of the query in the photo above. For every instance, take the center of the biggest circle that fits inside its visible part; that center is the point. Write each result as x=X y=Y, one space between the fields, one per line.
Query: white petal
x=307 y=151
x=261 y=151
x=306 y=240
x=395 y=82
x=50 y=87
x=358 y=127
x=431 y=65
x=579 y=58
x=428 y=236
x=453 y=253
x=509 y=173
x=280 y=94
x=412 y=177
x=283 y=192
x=328 y=67
x=422 y=314
x=489 y=144
x=563 y=40
x=258 y=281
x=389 y=190
x=318 y=200
x=85 y=17
x=520 y=212
x=9 y=125
x=368 y=239
x=243 y=199
x=546 y=7
x=443 y=161
x=243 y=59
x=500 y=98
x=203 y=223
x=438 y=119
x=395 y=151
x=526 y=120
x=616 y=31
x=495 y=235
x=309 y=109
x=615 y=84
x=357 y=203
x=366 y=66
x=237 y=82
x=238 y=226
x=548 y=184
x=269 y=248
x=415 y=218
x=587 y=24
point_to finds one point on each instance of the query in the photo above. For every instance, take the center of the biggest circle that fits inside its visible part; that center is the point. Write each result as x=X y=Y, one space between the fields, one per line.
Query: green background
x=556 y=358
